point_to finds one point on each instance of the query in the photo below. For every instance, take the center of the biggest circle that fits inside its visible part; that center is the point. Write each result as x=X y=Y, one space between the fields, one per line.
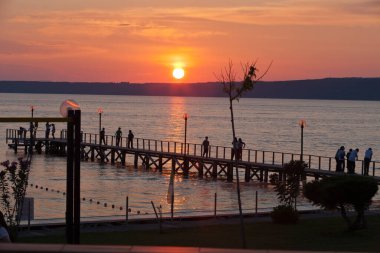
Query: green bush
x=284 y=214
x=342 y=192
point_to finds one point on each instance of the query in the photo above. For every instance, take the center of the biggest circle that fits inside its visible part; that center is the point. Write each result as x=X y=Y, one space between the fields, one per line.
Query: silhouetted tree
x=235 y=90
x=341 y=193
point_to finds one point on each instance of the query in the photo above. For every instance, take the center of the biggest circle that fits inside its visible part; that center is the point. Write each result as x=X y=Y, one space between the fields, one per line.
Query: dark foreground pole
x=70 y=179
x=77 y=126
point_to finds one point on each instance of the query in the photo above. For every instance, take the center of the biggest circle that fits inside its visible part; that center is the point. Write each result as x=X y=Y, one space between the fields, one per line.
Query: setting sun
x=178 y=73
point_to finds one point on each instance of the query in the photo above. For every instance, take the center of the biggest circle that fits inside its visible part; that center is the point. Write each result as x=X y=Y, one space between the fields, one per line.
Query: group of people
x=236 y=151
x=118 y=135
x=237 y=148
x=49 y=128
x=352 y=157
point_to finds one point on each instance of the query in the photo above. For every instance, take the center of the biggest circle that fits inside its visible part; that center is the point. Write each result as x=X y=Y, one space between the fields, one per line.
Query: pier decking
x=159 y=155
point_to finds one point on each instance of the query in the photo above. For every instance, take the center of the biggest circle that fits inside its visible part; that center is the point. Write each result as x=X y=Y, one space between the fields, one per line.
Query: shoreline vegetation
x=317 y=231
x=327 y=89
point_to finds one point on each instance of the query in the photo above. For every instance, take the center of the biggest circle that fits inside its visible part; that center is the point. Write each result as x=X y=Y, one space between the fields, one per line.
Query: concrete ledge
x=54 y=248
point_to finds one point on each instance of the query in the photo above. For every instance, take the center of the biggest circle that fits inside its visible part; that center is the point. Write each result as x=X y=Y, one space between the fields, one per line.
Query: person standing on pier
x=118 y=135
x=102 y=136
x=53 y=130
x=339 y=157
x=205 y=145
x=130 y=139
x=35 y=129
x=367 y=160
x=241 y=145
x=352 y=159
x=47 y=130
x=234 y=149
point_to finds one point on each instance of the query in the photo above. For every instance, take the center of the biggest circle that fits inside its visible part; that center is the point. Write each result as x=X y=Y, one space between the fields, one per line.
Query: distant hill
x=329 y=88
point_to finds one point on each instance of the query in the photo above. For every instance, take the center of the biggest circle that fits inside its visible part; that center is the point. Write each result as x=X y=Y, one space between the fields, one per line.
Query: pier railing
x=195 y=149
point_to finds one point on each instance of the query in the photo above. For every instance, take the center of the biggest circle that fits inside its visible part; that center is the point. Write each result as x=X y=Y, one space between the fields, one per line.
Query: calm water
x=265 y=124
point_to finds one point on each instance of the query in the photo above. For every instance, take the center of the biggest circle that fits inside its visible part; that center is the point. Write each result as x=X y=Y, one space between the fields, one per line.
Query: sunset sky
x=143 y=40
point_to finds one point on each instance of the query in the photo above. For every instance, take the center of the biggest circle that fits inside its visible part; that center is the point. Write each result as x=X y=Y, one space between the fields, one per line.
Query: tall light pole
x=32 y=110
x=100 y=111
x=302 y=124
x=185 y=117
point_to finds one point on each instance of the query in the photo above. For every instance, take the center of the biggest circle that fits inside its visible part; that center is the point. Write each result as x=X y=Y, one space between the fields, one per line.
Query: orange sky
x=141 y=40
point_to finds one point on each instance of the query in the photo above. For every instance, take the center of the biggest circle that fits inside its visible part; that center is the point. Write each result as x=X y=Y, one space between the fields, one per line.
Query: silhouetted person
x=339 y=157
x=240 y=146
x=47 y=130
x=53 y=130
x=367 y=159
x=102 y=136
x=348 y=161
x=35 y=129
x=118 y=135
x=235 y=146
x=130 y=139
x=205 y=145
x=352 y=159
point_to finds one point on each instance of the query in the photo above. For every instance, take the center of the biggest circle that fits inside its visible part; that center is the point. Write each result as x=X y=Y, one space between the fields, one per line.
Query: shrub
x=13 y=183
x=342 y=192
x=284 y=214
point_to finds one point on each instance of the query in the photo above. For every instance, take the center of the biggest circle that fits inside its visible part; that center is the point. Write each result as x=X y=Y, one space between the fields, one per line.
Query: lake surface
x=264 y=124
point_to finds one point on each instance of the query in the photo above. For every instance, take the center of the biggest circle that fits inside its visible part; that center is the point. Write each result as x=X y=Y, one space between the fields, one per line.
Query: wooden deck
x=168 y=155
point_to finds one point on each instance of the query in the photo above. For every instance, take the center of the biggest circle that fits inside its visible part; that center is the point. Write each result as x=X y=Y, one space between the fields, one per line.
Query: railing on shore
x=193 y=149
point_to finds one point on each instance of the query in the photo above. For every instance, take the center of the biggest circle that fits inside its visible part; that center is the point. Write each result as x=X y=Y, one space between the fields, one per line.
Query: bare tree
x=235 y=90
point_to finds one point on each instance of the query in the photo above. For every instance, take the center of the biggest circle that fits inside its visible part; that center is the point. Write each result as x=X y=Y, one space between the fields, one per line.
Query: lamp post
x=32 y=110
x=100 y=111
x=302 y=124
x=185 y=117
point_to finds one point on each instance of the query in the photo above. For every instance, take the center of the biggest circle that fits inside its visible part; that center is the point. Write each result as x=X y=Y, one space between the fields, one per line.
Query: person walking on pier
x=130 y=139
x=351 y=160
x=367 y=160
x=47 y=130
x=118 y=135
x=53 y=130
x=205 y=145
x=102 y=136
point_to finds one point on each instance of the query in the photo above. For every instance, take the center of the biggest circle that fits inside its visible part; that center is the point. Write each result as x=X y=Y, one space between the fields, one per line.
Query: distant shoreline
x=324 y=89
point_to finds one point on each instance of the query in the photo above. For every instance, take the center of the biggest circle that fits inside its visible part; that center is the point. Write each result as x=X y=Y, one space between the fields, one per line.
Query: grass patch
x=323 y=234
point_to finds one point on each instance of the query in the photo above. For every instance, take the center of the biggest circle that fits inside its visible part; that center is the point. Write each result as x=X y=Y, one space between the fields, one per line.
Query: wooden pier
x=159 y=155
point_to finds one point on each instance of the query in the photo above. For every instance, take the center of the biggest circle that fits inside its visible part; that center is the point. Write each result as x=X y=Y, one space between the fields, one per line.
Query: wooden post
x=185 y=167
x=112 y=156
x=146 y=161
x=230 y=174
x=126 y=209
x=200 y=172
x=92 y=150
x=160 y=163
x=256 y=203
x=214 y=170
x=77 y=142
x=247 y=173
x=70 y=180
x=123 y=157
x=215 y=199
x=136 y=160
